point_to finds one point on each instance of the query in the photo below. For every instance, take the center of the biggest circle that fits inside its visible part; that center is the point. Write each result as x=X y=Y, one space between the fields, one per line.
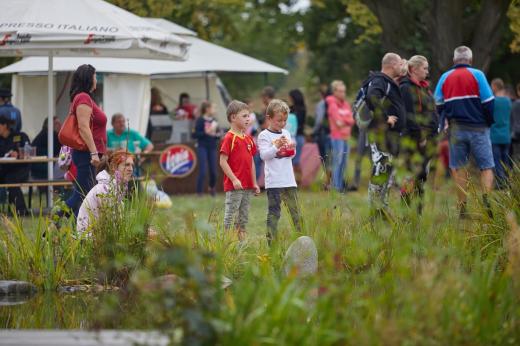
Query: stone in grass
x=12 y=287
x=302 y=257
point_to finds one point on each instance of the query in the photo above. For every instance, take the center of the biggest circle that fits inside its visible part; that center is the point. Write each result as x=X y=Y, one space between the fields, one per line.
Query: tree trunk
x=488 y=31
x=390 y=15
x=444 y=33
x=447 y=26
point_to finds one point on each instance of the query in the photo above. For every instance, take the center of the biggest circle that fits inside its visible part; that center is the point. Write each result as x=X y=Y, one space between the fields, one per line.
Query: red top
x=189 y=109
x=99 y=120
x=240 y=150
x=339 y=110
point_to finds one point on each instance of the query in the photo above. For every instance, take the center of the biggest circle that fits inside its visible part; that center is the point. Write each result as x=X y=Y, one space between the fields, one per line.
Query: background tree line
x=344 y=39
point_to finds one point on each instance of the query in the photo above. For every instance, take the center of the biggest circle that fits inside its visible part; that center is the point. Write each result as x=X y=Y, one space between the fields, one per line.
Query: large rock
x=8 y=287
x=301 y=257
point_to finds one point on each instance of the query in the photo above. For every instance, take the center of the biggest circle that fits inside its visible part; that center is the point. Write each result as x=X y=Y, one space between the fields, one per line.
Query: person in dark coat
x=422 y=123
x=39 y=171
x=10 y=144
x=9 y=111
x=384 y=99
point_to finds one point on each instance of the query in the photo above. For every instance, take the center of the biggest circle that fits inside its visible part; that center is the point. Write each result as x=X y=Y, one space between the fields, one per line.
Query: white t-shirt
x=278 y=171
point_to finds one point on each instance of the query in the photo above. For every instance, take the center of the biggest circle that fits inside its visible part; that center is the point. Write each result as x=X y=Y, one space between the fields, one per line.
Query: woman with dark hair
x=92 y=123
x=185 y=109
x=206 y=134
x=297 y=106
x=156 y=102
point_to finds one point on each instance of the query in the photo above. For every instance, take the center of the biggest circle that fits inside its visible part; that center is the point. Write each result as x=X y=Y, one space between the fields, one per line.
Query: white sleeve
x=267 y=149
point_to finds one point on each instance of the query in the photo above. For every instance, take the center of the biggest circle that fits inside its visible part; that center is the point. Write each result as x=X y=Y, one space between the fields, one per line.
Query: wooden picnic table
x=34 y=159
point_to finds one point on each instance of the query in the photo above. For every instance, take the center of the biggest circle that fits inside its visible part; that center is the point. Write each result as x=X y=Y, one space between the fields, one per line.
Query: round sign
x=178 y=160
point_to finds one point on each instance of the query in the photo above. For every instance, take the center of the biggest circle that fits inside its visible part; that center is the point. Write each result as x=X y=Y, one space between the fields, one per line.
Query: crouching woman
x=114 y=173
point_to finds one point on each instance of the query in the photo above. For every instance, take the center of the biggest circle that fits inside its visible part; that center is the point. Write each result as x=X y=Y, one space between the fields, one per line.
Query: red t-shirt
x=99 y=120
x=240 y=150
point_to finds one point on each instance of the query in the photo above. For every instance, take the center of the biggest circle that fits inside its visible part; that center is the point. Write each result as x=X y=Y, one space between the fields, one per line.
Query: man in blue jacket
x=9 y=111
x=465 y=101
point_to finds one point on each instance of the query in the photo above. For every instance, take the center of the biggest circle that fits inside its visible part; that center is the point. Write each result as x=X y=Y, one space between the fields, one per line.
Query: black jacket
x=422 y=120
x=384 y=106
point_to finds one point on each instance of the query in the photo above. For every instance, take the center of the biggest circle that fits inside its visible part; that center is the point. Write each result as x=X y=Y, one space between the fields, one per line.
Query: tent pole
x=206 y=78
x=50 y=130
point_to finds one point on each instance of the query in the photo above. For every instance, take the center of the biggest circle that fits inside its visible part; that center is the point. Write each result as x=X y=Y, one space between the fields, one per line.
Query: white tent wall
x=195 y=85
x=129 y=95
x=124 y=93
x=30 y=96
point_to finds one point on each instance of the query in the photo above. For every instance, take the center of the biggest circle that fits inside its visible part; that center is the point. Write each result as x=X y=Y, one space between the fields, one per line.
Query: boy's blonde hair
x=276 y=106
x=235 y=107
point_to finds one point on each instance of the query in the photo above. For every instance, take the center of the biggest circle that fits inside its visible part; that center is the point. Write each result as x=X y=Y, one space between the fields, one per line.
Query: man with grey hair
x=384 y=99
x=465 y=101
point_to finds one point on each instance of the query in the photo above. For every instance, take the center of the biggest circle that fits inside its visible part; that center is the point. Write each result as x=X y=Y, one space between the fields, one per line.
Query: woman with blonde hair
x=421 y=126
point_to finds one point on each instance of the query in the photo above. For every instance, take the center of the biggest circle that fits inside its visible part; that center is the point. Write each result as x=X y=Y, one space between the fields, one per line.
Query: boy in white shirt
x=277 y=150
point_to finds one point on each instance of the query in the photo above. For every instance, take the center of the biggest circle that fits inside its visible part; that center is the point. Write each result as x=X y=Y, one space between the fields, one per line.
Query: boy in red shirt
x=236 y=159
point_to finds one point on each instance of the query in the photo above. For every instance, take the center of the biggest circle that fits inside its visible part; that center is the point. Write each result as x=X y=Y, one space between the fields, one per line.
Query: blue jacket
x=464 y=97
x=11 y=112
x=501 y=129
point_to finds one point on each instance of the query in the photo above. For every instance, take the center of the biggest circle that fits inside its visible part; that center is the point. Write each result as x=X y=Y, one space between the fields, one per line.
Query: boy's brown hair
x=276 y=106
x=235 y=107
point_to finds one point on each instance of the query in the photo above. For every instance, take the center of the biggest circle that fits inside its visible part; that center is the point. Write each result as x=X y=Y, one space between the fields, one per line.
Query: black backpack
x=362 y=112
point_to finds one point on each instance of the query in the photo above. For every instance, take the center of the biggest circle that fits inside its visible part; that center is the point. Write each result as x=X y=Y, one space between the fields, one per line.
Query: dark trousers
x=361 y=151
x=13 y=176
x=207 y=163
x=85 y=179
x=275 y=197
x=502 y=162
x=324 y=147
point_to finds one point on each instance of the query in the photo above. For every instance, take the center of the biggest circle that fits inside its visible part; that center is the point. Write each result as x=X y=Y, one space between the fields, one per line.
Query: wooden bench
x=38 y=184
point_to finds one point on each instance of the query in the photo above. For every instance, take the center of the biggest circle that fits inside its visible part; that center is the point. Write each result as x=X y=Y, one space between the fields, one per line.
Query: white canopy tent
x=79 y=28
x=125 y=80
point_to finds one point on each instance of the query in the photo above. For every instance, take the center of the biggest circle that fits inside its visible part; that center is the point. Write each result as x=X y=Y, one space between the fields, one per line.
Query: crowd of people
x=400 y=122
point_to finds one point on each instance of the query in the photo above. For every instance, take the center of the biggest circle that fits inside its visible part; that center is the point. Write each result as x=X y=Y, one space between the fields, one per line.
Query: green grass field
x=423 y=280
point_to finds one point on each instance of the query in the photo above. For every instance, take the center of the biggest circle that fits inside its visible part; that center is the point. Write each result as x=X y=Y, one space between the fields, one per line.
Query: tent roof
x=171 y=27
x=82 y=28
x=204 y=57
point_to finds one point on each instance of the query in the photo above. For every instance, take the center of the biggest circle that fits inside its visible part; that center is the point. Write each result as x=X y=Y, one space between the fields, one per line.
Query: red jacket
x=339 y=112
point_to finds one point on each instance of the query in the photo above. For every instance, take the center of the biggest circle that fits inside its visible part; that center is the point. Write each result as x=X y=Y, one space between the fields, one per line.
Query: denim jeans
x=300 y=141
x=207 y=162
x=340 y=154
x=85 y=179
x=502 y=162
x=475 y=142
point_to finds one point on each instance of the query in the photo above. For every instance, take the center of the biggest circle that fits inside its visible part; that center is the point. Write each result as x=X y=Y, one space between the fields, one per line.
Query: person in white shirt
x=277 y=150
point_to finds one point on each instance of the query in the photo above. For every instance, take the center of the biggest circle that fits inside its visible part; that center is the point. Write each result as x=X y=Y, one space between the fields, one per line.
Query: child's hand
x=237 y=185
x=280 y=142
x=257 y=190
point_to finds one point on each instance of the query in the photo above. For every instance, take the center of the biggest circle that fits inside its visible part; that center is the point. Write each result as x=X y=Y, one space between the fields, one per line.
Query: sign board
x=178 y=160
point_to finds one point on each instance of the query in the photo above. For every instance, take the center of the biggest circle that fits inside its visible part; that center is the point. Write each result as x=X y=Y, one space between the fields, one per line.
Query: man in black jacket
x=385 y=100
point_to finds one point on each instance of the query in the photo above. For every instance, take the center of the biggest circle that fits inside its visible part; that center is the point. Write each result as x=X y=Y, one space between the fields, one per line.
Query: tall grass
x=119 y=236
x=429 y=279
x=41 y=254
